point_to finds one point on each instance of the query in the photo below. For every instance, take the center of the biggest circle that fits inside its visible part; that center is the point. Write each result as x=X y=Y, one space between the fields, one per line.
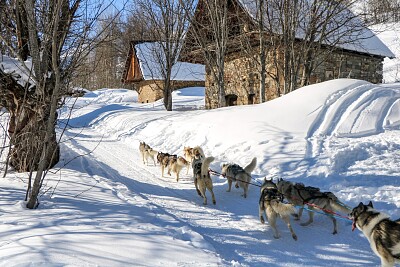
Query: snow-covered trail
x=230 y=231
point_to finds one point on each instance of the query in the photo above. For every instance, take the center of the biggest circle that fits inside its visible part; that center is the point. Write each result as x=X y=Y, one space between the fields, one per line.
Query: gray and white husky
x=299 y=195
x=271 y=204
x=242 y=176
x=382 y=233
x=142 y=148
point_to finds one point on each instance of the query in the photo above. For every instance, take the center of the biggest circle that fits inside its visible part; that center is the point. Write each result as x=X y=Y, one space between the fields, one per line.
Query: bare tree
x=54 y=36
x=168 y=24
x=305 y=33
x=380 y=11
x=209 y=31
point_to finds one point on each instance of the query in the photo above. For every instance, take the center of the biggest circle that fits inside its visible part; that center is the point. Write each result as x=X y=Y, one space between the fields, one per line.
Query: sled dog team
x=382 y=233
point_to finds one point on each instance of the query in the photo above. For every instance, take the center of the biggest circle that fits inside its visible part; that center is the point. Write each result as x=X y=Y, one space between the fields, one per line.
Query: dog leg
x=310 y=218
x=334 y=224
x=177 y=176
x=169 y=171
x=245 y=190
x=297 y=217
x=237 y=184
x=272 y=222
x=261 y=212
x=187 y=168
x=286 y=219
x=203 y=193
x=212 y=195
x=162 y=170
x=197 y=188
x=229 y=185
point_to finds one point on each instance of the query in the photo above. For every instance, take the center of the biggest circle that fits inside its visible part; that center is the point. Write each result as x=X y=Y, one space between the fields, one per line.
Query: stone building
x=143 y=71
x=242 y=76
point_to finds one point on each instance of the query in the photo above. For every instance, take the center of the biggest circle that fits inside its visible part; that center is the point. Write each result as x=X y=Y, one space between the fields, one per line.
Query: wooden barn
x=362 y=60
x=143 y=72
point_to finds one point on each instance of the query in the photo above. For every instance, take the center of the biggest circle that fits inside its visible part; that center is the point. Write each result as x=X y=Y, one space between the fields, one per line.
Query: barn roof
x=148 y=55
x=353 y=34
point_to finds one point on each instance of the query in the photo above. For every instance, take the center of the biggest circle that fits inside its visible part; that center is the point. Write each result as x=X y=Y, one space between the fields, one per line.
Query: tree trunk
x=27 y=142
x=27 y=128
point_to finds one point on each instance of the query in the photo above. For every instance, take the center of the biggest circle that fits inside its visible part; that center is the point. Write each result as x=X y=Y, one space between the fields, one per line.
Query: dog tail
x=340 y=207
x=206 y=165
x=249 y=168
x=283 y=209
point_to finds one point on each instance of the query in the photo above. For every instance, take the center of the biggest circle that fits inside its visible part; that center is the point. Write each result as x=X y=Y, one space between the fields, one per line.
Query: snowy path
x=229 y=230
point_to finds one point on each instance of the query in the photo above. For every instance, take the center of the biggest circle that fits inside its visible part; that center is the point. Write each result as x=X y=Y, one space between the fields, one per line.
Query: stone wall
x=150 y=91
x=242 y=76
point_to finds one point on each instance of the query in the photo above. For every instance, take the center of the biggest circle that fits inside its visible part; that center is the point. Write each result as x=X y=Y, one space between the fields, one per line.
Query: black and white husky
x=383 y=234
x=202 y=179
x=271 y=204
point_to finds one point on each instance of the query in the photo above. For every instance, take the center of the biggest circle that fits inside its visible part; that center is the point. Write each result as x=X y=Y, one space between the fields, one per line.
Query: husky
x=142 y=148
x=187 y=153
x=299 y=195
x=271 y=204
x=382 y=233
x=164 y=160
x=202 y=179
x=150 y=154
x=242 y=176
x=190 y=153
x=176 y=165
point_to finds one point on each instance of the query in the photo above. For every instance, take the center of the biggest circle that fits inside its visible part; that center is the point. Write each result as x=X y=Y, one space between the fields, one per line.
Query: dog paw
x=334 y=232
x=214 y=202
x=294 y=237
x=236 y=185
x=262 y=220
x=277 y=236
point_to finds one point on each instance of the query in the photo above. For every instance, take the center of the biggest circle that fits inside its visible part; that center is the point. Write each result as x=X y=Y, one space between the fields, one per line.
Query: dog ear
x=370 y=204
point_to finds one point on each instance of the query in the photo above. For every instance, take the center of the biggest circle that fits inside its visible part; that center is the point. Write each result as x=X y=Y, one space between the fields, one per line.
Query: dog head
x=268 y=183
x=197 y=152
x=224 y=168
x=283 y=186
x=187 y=150
x=161 y=156
x=358 y=212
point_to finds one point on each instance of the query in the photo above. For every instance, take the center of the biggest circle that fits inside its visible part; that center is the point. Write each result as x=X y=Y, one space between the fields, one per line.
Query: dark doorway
x=251 y=99
x=231 y=100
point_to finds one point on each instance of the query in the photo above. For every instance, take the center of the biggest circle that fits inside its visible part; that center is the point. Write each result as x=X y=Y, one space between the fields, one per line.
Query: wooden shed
x=143 y=70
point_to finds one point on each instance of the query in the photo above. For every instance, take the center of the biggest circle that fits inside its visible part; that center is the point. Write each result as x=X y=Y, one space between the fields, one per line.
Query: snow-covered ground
x=102 y=206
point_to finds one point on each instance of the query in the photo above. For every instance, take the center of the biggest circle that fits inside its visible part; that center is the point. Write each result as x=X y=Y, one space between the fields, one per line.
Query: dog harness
x=270 y=193
x=235 y=169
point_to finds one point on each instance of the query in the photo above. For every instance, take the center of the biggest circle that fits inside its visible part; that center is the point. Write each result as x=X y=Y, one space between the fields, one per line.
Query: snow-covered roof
x=149 y=54
x=346 y=31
